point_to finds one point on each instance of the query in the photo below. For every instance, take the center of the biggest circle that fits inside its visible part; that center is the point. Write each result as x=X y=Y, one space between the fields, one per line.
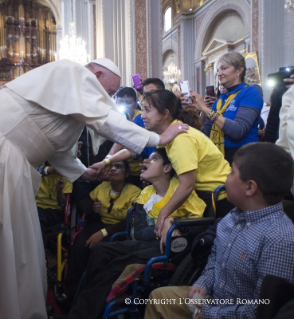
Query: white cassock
x=286 y=128
x=42 y=114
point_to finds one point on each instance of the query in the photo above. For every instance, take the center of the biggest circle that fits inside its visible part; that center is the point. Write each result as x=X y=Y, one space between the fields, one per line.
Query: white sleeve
x=153 y=140
x=286 y=129
x=67 y=166
x=117 y=128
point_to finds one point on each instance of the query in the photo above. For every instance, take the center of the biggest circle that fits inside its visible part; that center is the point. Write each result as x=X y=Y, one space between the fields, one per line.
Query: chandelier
x=73 y=48
x=172 y=75
x=289 y=5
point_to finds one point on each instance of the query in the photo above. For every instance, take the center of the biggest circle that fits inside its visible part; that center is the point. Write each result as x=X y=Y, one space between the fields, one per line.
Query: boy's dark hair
x=166 y=100
x=269 y=166
x=128 y=92
x=162 y=152
x=127 y=165
x=157 y=82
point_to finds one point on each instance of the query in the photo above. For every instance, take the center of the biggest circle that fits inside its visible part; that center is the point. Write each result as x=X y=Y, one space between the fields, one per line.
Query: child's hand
x=194 y=289
x=96 y=207
x=94 y=239
x=60 y=185
x=99 y=167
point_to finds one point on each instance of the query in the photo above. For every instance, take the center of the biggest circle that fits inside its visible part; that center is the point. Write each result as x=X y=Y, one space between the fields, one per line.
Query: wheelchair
x=185 y=273
x=60 y=237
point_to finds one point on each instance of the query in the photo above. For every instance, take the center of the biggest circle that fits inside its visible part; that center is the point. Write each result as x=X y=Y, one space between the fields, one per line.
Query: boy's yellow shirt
x=121 y=205
x=47 y=194
x=195 y=151
x=192 y=208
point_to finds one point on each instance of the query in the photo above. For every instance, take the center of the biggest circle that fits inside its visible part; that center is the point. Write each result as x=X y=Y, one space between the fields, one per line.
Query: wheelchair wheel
x=187 y=272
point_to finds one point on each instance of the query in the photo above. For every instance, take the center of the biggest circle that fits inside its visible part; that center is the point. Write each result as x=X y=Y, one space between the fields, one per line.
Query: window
x=167 y=19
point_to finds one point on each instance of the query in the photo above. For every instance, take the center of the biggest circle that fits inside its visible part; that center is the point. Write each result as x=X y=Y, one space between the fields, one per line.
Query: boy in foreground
x=255 y=239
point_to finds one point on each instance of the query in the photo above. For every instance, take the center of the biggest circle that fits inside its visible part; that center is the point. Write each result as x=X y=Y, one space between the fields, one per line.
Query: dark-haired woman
x=233 y=119
x=196 y=160
x=106 y=207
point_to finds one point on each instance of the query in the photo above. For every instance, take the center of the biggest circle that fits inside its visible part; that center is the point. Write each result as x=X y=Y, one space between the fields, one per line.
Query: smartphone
x=185 y=89
x=137 y=81
x=209 y=90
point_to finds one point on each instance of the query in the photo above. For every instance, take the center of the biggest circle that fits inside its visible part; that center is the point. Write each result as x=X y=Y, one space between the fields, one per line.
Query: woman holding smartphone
x=233 y=119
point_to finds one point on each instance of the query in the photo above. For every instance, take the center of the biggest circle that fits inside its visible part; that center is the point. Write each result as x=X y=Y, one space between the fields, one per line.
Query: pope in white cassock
x=42 y=115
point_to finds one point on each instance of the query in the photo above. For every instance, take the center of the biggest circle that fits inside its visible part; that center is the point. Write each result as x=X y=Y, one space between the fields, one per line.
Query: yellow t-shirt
x=195 y=151
x=122 y=203
x=192 y=208
x=135 y=168
x=47 y=194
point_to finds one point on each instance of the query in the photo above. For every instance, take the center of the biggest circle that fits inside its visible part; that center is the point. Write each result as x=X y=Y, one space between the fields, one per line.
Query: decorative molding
x=241 y=6
x=254 y=36
x=94 y=31
x=141 y=51
x=129 y=41
x=55 y=6
x=208 y=68
x=149 y=42
x=199 y=22
x=179 y=47
x=261 y=35
x=100 y=29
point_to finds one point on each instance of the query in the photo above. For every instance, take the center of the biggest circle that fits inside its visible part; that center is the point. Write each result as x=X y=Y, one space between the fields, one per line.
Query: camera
x=122 y=108
x=277 y=79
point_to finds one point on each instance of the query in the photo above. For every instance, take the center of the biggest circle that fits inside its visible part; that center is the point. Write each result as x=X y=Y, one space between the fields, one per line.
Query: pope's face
x=109 y=81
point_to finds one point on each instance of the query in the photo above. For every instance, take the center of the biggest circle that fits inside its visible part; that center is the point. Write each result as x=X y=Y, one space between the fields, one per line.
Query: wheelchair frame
x=132 y=307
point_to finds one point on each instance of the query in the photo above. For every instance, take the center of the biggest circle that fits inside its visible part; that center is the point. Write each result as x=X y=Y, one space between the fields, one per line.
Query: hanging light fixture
x=73 y=48
x=172 y=74
x=289 y=5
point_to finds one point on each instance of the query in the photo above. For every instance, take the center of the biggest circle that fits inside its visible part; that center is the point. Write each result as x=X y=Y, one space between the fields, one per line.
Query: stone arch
x=167 y=53
x=55 y=6
x=215 y=13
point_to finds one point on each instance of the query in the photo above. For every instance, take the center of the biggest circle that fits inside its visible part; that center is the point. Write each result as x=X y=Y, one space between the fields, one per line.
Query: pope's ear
x=98 y=74
x=167 y=168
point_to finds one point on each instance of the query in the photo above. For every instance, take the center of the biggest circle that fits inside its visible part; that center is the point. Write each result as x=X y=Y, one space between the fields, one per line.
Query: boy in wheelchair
x=254 y=240
x=108 y=260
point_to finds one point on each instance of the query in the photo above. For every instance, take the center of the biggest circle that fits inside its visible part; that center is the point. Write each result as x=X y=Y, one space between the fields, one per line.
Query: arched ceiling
x=55 y=6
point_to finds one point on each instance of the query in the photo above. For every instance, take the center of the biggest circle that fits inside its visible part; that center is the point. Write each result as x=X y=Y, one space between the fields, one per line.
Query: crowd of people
x=112 y=148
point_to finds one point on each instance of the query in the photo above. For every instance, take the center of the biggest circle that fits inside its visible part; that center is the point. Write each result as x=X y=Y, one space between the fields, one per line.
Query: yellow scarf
x=192 y=208
x=216 y=134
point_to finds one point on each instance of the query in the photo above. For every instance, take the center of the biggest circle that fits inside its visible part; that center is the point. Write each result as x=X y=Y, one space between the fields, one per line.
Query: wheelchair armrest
x=126 y=232
x=194 y=221
x=121 y=233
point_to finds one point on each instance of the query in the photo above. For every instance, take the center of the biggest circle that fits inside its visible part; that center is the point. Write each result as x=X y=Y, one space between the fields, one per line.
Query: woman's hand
x=209 y=100
x=96 y=207
x=94 y=239
x=172 y=132
x=166 y=226
x=197 y=101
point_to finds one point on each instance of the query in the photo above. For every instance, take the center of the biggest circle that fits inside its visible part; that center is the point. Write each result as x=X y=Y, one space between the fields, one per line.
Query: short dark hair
x=157 y=82
x=162 y=152
x=269 y=166
x=127 y=91
x=166 y=100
